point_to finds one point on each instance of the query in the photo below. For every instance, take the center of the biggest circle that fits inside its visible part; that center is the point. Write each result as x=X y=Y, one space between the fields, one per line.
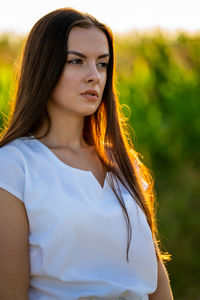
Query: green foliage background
x=158 y=77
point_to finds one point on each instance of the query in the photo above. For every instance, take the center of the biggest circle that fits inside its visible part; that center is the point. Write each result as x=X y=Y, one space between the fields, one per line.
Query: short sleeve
x=12 y=171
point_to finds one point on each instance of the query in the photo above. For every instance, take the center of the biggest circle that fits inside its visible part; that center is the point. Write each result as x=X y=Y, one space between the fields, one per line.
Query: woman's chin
x=89 y=111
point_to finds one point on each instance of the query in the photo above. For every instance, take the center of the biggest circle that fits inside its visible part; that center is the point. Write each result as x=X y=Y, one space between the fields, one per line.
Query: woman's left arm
x=163 y=291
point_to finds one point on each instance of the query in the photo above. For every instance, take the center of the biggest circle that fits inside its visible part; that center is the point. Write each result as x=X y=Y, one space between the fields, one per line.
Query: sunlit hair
x=43 y=59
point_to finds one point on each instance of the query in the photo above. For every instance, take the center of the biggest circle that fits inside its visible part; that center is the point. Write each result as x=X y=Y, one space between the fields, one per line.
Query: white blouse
x=78 y=233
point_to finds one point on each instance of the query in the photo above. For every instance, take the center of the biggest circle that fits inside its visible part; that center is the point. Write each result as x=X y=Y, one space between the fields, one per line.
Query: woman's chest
x=73 y=206
x=76 y=225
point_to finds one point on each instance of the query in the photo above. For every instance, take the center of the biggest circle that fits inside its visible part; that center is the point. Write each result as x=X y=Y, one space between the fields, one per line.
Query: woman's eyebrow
x=84 y=56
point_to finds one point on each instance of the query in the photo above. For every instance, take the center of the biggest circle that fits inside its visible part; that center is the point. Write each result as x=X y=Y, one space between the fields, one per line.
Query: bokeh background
x=158 y=78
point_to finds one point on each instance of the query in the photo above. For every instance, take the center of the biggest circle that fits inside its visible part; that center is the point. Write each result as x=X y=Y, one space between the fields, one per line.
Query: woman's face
x=80 y=87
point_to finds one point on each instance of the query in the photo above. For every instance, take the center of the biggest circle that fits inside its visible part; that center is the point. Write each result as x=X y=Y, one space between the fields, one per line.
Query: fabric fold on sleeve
x=12 y=175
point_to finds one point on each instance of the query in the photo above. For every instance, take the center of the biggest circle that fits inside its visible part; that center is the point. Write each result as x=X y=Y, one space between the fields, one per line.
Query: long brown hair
x=43 y=60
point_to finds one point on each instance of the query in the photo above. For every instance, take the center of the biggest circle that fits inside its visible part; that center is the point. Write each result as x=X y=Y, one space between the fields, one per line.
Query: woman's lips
x=90 y=97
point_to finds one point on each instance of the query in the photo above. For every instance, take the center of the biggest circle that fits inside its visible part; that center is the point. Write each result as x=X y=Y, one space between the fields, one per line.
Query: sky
x=121 y=16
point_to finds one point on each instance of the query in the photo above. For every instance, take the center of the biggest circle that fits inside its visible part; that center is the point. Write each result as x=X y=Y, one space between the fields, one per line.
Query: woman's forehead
x=88 y=40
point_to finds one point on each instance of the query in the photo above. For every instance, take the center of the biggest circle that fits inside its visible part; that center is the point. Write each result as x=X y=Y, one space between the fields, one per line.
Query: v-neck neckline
x=63 y=164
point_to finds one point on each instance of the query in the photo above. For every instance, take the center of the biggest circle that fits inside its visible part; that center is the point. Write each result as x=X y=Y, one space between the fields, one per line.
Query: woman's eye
x=102 y=65
x=80 y=61
x=74 y=61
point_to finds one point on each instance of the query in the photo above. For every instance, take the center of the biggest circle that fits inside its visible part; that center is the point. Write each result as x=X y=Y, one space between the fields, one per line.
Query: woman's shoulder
x=12 y=171
x=15 y=149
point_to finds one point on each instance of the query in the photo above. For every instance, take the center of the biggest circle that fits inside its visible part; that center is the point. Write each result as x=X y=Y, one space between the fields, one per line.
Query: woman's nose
x=93 y=73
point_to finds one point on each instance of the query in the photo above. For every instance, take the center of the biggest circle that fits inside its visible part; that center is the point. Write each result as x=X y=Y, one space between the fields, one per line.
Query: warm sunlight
x=77 y=197
x=121 y=16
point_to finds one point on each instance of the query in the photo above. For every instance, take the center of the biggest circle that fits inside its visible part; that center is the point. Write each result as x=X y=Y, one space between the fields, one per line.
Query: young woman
x=77 y=211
